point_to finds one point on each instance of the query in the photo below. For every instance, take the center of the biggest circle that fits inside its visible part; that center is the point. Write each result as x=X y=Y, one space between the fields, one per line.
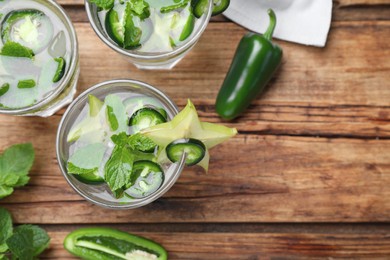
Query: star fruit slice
x=91 y=123
x=187 y=125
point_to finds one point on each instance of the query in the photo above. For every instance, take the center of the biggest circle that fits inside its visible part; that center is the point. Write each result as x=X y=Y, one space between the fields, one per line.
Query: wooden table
x=308 y=176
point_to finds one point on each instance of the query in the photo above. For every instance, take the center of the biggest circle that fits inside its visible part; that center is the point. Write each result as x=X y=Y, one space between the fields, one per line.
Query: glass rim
x=141 y=202
x=70 y=73
x=147 y=57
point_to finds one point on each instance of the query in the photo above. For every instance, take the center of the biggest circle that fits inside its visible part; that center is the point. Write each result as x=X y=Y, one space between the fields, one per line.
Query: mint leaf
x=17 y=159
x=40 y=240
x=15 y=164
x=21 y=245
x=118 y=169
x=116 y=113
x=105 y=4
x=5 y=191
x=5 y=229
x=132 y=34
x=14 y=49
x=140 y=8
x=141 y=143
x=87 y=159
x=120 y=139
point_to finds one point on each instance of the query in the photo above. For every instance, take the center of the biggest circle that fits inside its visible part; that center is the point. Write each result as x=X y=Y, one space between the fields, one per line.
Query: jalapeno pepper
x=108 y=244
x=255 y=62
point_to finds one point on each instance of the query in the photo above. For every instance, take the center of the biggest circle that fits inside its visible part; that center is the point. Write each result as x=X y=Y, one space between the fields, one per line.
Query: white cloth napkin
x=301 y=21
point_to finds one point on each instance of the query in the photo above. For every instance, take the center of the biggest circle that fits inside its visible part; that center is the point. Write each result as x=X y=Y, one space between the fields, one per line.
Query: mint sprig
x=15 y=163
x=25 y=242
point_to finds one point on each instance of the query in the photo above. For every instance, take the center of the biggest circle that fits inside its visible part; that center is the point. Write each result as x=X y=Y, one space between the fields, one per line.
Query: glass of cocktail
x=150 y=34
x=93 y=149
x=39 y=62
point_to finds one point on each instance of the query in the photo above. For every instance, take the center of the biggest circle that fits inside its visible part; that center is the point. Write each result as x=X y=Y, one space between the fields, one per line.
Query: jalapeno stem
x=272 y=24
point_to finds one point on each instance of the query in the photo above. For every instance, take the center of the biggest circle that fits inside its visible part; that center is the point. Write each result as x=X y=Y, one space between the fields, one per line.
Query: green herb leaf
x=15 y=163
x=141 y=143
x=87 y=159
x=28 y=83
x=140 y=8
x=116 y=113
x=21 y=245
x=5 y=229
x=105 y=4
x=40 y=240
x=132 y=35
x=5 y=191
x=114 y=125
x=15 y=49
x=118 y=169
x=120 y=139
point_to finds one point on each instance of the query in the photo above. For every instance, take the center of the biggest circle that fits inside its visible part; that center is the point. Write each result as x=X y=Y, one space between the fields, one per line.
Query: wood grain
x=255 y=246
x=276 y=179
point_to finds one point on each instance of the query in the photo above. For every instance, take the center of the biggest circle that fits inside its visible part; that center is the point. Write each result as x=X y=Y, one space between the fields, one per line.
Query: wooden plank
x=266 y=179
x=338 y=2
x=338 y=90
x=255 y=245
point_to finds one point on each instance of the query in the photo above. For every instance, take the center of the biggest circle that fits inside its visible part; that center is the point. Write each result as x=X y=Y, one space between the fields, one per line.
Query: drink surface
x=31 y=25
x=161 y=26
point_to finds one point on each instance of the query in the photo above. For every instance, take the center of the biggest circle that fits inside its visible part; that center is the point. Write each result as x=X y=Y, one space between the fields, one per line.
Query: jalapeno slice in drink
x=195 y=150
x=147 y=179
x=200 y=7
x=146 y=117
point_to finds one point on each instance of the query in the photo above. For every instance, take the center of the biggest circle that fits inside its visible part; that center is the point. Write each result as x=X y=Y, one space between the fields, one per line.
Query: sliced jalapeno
x=108 y=244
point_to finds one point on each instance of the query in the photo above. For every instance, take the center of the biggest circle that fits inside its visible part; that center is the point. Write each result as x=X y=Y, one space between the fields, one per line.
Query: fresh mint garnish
x=132 y=34
x=41 y=239
x=87 y=159
x=25 y=242
x=5 y=229
x=141 y=143
x=104 y=4
x=118 y=169
x=116 y=113
x=14 y=49
x=140 y=8
x=15 y=163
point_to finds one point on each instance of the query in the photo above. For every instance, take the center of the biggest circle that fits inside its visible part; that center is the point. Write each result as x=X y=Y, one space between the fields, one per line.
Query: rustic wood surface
x=307 y=177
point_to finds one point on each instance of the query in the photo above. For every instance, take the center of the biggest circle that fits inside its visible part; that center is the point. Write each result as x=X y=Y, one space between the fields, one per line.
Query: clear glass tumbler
x=100 y=194
x=63 y=94
x=151 y=61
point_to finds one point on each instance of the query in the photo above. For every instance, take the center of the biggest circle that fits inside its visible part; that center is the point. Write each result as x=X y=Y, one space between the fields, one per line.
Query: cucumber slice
x=194 y=149
x=144 y=118
x=200 y=7
x=29 y=27
x=114 y=27
x=147 y=178
x=60 y=69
